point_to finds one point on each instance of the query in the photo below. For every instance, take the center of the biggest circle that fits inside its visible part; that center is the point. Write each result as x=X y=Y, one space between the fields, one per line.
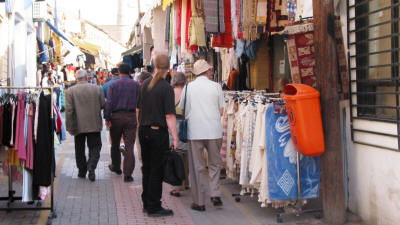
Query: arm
x=108 y=105
x=171 y=122
x=69 y=113
x=102 y=100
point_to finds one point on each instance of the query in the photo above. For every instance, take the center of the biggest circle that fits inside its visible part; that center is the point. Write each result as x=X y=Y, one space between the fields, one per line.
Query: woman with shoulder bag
x=178 y=82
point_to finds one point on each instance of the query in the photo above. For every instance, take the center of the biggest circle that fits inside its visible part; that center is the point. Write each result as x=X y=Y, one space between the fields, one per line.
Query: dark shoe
x=175 y=193
x=128 y=178
x=82 y=174
x=216 y=201
x=196 y=207
x=92 y=175
x=160 y=213
x=118 y=172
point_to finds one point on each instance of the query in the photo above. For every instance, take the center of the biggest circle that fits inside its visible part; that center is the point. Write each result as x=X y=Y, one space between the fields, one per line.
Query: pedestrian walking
x=204 y=106
x=120 y=116
x=178 y=82
x=84 y=102
x=156 y=110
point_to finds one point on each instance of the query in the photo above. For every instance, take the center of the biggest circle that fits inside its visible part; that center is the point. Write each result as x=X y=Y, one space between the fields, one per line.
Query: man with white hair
x=84 y=102
x=203 y=108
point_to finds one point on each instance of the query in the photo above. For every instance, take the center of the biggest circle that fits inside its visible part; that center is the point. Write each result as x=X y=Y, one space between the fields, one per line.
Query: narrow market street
x=109 y=200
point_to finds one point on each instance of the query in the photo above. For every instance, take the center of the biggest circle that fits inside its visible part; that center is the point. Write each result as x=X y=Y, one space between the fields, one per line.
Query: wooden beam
x=332 y=187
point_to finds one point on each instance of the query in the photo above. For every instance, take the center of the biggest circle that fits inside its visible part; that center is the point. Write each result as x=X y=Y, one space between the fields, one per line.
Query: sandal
x=175 y=193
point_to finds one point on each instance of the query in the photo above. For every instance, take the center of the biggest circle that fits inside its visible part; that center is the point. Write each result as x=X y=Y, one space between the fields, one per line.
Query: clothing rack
x=11 y=198
x=297 y=208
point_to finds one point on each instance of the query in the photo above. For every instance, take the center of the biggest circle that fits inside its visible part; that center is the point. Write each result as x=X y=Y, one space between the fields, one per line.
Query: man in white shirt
x=204 y=106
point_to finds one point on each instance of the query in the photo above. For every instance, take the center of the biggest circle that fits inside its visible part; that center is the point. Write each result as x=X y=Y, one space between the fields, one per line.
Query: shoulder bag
x=182 y=134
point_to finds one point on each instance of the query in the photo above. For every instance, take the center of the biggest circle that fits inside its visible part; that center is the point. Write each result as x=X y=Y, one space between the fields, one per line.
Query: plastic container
x=304 y=112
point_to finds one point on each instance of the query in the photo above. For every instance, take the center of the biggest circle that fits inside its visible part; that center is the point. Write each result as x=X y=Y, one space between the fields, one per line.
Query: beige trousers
x=200 y=177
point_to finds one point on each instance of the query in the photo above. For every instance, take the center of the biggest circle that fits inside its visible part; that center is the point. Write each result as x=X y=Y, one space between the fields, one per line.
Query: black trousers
x=94 y=145
x=154 y=144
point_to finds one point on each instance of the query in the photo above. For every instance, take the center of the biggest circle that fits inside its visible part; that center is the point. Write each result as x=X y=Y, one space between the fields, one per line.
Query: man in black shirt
x=156 y=112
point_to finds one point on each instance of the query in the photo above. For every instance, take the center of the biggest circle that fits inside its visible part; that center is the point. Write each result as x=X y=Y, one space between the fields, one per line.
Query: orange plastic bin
x=304 y=112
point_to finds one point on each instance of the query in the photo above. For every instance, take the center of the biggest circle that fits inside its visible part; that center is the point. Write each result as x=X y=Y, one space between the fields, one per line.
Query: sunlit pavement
x=109 y=200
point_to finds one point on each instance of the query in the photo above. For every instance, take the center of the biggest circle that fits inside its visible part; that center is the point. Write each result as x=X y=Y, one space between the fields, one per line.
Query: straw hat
x=201 y=66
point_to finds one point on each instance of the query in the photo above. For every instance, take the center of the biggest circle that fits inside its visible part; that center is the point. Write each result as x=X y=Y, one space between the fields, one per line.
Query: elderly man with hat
x=84 y=102
x=204 y=107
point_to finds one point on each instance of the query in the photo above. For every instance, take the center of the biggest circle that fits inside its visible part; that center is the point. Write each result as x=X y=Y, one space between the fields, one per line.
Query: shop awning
x=58 y=32
x=132 y=51
x=87 y=47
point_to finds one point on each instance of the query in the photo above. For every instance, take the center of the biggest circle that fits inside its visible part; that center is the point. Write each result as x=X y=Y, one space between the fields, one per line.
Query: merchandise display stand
x=298 y=208
x=11 y=193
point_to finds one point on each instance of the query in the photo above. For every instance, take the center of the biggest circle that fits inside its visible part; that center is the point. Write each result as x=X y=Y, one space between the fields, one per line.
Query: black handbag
x=183 y=126
x=174 y=170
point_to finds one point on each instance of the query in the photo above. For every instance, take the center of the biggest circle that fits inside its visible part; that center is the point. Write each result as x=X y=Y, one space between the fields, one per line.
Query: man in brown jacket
x=84 y=102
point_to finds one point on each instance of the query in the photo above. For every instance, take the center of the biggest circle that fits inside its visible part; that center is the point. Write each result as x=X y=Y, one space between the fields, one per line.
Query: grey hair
x=80 y=74
x=179 y=79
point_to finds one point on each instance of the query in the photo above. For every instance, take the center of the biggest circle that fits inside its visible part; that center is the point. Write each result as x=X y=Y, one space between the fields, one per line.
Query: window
x=373 y=29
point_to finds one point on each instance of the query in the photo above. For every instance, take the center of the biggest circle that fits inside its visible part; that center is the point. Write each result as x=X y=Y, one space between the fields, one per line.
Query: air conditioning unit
x=39 y=13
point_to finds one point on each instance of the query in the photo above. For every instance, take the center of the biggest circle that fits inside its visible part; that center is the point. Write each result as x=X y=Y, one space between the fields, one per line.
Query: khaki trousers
x=199 y=176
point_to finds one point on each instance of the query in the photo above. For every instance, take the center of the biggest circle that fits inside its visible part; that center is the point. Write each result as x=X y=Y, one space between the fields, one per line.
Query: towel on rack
x=281 y=155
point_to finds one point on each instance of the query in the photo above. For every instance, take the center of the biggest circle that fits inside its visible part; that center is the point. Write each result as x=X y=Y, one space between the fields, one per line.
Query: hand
x=175 y=144
x=108 y=124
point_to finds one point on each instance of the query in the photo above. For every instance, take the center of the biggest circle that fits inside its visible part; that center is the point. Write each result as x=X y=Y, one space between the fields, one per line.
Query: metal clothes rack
x=298 y=208
x=11 y=198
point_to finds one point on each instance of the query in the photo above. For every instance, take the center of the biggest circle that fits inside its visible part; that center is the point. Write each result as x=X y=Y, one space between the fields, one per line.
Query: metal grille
x=373 y=43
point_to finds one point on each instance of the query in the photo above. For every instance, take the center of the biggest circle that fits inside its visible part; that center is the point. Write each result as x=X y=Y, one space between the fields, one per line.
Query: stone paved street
x=109 y=200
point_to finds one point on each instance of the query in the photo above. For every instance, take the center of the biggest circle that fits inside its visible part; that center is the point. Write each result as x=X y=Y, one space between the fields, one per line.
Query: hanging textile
x=277 y=15
x=166 y=3
x=44 y=155
x=197 y=35
x=260 y=67
x=262 y=11
x=211 y=8
x=302 y=54
x=249 y=20
x=282 y=175
x=225 y=40
x=291 y=8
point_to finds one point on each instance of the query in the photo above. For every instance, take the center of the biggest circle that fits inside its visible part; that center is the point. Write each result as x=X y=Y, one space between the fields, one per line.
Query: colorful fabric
x=221 y=15
x=166 y=3
x=122 y=95
x=282 y=173
x=262 y=11
x=19 y=135
x=29 y=144
x=277 y=15
x=302 y=58
x=211 y=15
x=291 y=8
x=225 y=39
x=197 y=35
x=178 y=19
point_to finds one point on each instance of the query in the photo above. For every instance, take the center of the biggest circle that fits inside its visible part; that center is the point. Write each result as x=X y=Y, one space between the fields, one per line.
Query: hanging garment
x=27 y=192
x=262 y=11
x=282 y=175
x=230 y=140
x=258 y=159
x=43 y=154
x=233 y=81
x=7 y=125
x=20 y=127
x=302 y=54
x=211 y=8
x=29 y=143
x=224 y=147
x=291 y=8
x=224 y=39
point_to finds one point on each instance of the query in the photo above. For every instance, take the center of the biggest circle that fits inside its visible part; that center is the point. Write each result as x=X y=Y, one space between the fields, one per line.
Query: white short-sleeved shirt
x=204 y=101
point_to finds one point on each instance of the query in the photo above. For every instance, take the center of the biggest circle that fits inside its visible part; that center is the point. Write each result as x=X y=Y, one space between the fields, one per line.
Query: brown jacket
x=83 y=104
